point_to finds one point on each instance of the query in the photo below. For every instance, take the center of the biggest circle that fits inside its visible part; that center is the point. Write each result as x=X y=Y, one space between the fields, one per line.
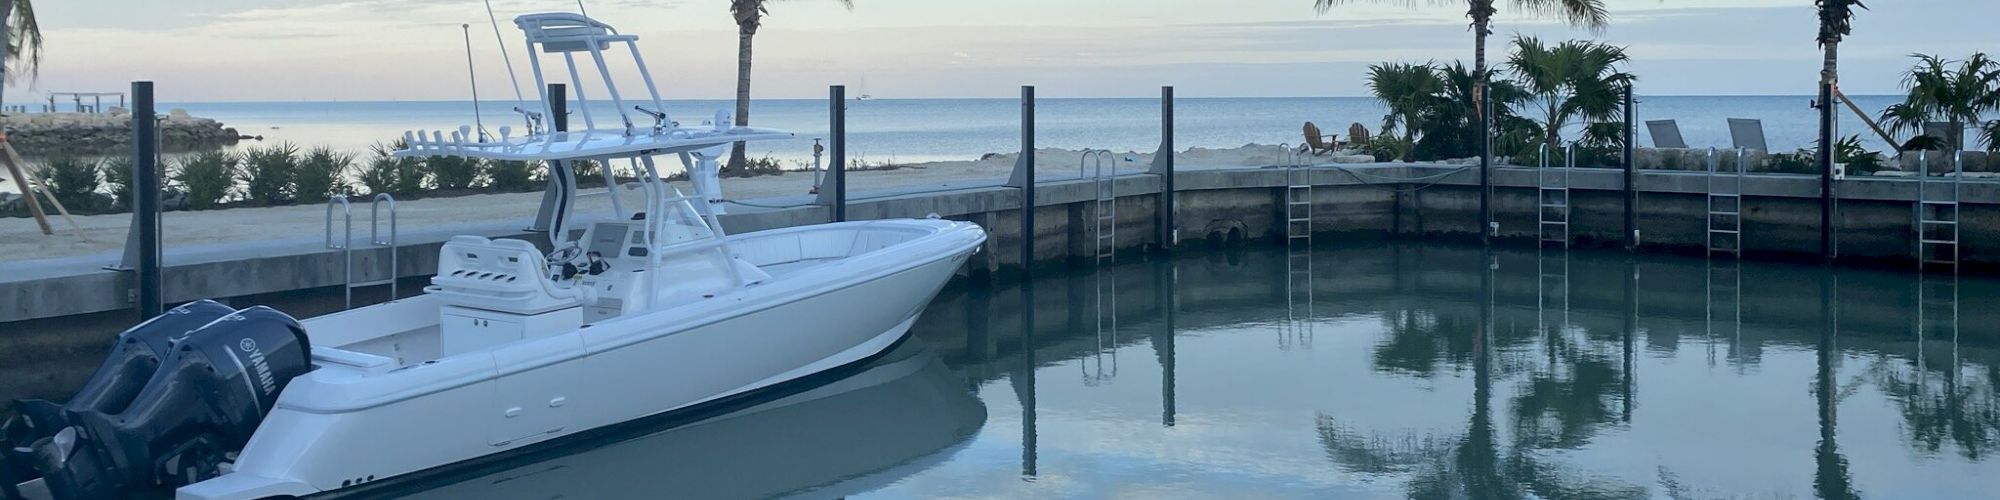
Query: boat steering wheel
x=562 y=263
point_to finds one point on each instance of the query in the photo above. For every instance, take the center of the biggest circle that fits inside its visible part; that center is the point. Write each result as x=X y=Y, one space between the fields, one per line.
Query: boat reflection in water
x=892 y=418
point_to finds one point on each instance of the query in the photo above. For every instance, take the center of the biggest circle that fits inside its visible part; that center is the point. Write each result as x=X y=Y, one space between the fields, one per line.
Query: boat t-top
x=650 y=311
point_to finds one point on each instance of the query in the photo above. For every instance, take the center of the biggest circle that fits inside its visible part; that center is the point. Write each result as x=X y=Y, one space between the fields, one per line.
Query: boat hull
x=335 y=428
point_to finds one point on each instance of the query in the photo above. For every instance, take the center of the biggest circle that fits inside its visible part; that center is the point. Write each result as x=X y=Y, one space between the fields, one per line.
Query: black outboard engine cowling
x=209 y=395
x=133 y=359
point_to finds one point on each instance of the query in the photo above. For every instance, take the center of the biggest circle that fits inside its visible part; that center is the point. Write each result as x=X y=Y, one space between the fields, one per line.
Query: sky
x=315 y=50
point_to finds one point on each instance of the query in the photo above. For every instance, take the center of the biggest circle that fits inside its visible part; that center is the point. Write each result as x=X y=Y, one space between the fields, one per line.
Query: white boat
x=896 y=417
x=650 y=311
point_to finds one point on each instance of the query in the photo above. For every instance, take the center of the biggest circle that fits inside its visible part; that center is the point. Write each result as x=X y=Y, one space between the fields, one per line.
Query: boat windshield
x=679 y=222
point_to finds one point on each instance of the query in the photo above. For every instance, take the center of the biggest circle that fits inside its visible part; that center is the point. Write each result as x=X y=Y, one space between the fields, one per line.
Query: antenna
x=473 y=76
x=526 y=116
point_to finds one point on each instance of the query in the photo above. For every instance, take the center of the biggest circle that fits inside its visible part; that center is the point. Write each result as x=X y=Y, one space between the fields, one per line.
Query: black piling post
x=1631 y=179
x=1028 y=187
x=1826 y=195
x=146 y=197
x=1485 y=113
x=559 y=106
x=836 y=113
x=1164 y=165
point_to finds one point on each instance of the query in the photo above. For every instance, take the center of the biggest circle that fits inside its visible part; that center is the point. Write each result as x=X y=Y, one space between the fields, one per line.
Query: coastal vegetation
x=1954 y=94
x=24 y=38
x=1591 y=14
x=749 y=15
x=1573 y=84
x=269 y=173
x=322 y=174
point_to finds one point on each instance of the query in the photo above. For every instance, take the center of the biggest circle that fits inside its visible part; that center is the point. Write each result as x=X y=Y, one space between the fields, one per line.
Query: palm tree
x=749 y=16
x=23 y=39
x=1408 y=90
x=1451 y=129
x=1586 y=13
x=1571 y=80
x=1836 y=21
x=1940 y=93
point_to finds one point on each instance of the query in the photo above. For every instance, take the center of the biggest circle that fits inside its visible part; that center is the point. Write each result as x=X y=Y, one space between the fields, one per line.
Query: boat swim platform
x=1432 y=200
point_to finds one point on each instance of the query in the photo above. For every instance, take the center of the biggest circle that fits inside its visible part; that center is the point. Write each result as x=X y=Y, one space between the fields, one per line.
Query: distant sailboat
x=863 y=95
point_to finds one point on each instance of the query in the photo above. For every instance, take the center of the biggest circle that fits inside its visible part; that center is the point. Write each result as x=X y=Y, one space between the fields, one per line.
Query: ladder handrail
x=346 y=246
x=374 y=238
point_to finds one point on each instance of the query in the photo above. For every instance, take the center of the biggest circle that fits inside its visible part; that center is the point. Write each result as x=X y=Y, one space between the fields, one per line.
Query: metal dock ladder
x=1298 y=328
x=1937 y=213
x=1725 y=206
x=1937 y=313
x=1104 y=184
x=1553 y=210
x=1298 y=200
x=375 y=239
x=1722 y=286
x=1104 y=236
x=1552 y=289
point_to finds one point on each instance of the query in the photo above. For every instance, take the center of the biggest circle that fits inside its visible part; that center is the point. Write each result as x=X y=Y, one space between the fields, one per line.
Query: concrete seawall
x=1781 y=221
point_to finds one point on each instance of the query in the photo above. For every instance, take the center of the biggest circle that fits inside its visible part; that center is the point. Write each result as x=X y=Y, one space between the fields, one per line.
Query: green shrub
x=269 y=173
x=72 y=180
x=209 y=178
x=455 y=172
x=1801 y=162
x=753 y=167
x=1859 y=161
x=386 y=173
x=322 y=174
x=118 y=174
x=1385 y=148
x=512 y=176
x=587 y=172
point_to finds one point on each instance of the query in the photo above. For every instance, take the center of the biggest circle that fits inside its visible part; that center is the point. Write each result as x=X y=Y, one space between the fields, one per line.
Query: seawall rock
x=49 y=133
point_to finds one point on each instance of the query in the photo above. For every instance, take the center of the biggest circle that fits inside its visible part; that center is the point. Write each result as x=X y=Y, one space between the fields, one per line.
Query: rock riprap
x=100 y=132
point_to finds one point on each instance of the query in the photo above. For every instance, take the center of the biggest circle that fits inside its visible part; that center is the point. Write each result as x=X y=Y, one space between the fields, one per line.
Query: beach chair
x=1748 y=133
x=1666 y=134
x=1357 y=134
x=1316 y=143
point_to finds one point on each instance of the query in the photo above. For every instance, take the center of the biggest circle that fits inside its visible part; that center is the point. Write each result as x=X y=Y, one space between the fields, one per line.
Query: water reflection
x=1371 y=370
x=897 y=416
x=1540 y=356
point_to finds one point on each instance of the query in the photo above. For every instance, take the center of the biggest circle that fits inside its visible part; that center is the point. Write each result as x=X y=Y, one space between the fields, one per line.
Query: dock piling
x=1025 y=170
x=836 y=113
x=1163 y=166
x=146 y=198
x=1631 y=181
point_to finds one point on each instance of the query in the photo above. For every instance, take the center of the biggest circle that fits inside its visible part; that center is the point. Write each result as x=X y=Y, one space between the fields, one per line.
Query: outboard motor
x=209 y=395
x=133 y=359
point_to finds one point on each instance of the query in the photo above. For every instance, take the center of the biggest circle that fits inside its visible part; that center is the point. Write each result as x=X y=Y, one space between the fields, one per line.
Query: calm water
x=912 y=130
x=1365 y=371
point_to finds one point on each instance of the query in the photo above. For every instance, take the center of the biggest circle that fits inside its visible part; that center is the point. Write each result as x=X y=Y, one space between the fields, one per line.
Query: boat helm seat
x=503 y=275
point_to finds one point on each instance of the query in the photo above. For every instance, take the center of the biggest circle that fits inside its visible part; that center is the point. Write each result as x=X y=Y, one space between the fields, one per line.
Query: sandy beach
x=21 y=240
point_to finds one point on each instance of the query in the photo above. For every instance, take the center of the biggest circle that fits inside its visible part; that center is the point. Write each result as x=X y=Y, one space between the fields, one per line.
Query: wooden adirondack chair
x=1319 y=143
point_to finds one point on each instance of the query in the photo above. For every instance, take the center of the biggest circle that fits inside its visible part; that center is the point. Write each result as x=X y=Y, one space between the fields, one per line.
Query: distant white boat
x=652 y=310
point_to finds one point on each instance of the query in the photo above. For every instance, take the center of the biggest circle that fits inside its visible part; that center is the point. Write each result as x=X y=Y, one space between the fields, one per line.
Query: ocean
x=918 y=130
x=902 y=131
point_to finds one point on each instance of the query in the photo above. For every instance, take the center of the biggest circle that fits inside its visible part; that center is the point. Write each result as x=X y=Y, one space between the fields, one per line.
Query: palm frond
x=1836 y=19
x=1591 y=14
x=24 y=41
